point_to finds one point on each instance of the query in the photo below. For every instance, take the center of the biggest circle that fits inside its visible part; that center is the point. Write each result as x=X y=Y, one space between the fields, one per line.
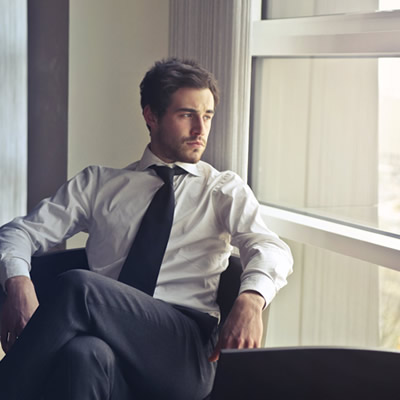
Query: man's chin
x=193 y=157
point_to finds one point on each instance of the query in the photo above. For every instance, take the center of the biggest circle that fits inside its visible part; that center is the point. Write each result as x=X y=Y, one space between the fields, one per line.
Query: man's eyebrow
x=186 y=109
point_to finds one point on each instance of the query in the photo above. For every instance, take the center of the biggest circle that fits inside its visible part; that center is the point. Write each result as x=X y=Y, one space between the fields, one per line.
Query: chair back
x=46 y=267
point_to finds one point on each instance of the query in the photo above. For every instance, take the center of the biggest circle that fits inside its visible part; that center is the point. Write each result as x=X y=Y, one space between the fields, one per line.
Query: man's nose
x=198 y=126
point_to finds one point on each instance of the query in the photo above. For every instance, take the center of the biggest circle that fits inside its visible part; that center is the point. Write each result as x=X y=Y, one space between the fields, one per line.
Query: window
x=276 y=9
x=325 y=161
x=326 y=138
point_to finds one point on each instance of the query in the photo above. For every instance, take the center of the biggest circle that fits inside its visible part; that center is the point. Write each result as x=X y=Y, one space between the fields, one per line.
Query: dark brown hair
x=167 y=76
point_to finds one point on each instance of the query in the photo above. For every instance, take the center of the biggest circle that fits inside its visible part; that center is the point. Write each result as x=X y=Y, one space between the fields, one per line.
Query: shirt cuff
x=260 y=284
x=13 y=267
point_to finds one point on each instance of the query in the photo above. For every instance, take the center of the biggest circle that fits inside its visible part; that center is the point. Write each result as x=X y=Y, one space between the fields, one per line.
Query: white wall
x=112 y=45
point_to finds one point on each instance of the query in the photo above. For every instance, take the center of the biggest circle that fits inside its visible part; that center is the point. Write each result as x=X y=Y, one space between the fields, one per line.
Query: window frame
x=375 y=34
x=365 y=34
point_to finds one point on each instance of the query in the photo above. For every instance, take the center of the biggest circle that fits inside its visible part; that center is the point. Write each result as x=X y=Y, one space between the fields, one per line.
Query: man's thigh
x=162 y=351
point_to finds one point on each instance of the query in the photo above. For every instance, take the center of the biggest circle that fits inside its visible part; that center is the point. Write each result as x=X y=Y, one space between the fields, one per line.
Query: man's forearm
x=17 y=284
x=253 y=298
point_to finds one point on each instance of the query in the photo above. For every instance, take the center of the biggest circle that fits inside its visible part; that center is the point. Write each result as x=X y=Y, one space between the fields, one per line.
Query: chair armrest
x=46 y=267
x=229 y=286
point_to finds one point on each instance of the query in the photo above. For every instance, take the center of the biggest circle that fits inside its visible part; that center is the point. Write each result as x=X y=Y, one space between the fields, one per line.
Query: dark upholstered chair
x=46 y=267
x=307 y=373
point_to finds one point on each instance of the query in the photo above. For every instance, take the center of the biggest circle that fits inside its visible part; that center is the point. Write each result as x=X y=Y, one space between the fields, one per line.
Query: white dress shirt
x=213 y=211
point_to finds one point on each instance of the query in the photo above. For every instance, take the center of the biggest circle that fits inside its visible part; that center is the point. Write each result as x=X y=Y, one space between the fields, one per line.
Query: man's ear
x=150 y=118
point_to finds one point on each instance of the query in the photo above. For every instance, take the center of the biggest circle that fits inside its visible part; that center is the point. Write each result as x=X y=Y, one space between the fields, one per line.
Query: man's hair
x=167 y=76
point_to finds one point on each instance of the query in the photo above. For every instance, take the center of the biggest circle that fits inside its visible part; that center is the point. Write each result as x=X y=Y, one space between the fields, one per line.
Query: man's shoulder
x=213 y=174
x=133 y=166
x=103 y=173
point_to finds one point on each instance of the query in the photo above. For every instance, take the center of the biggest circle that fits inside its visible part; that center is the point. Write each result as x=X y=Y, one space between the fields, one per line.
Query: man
x=100 y=337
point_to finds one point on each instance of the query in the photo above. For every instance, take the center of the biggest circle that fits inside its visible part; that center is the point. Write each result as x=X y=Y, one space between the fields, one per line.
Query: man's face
x=181 y=133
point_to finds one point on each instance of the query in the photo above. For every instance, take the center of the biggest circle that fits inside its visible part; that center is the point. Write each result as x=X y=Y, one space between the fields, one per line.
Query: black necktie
x=143 y=262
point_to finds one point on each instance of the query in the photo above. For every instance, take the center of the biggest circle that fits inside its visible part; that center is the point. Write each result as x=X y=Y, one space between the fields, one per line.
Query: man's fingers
x=10 y=330
x=215 y=355
x=12 y=337
x=4 y=341
x=7 y=341
x=4 y=334
x=228 y=343
x=232 y=343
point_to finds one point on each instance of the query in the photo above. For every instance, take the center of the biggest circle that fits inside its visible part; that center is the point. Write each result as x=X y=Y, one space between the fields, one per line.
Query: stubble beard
x=189 y=156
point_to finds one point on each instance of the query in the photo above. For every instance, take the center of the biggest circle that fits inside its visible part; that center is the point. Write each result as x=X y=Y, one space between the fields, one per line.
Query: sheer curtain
x=13 y=109
x=217 y=35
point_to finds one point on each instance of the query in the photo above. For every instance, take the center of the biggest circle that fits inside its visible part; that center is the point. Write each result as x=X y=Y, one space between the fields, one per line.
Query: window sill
x=373 y=247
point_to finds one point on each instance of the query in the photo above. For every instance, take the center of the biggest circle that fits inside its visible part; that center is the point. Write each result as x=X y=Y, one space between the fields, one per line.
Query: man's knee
x=74 y=278
x=85 y=367
x=84 y=351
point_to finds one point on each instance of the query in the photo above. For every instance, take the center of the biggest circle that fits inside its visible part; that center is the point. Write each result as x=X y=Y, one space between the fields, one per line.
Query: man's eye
x=188 y=115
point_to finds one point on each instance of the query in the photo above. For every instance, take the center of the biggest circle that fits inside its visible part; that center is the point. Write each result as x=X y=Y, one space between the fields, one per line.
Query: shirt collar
x=149 y=158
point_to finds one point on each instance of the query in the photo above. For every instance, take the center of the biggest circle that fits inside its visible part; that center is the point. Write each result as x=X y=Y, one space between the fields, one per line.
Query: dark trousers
x=96 y=338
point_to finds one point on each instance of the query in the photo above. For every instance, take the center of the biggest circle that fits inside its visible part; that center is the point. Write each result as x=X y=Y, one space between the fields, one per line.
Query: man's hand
x=19 y=306
x=243 y=327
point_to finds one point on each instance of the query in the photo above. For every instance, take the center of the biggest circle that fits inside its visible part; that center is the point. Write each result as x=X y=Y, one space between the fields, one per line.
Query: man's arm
x=244 y=326
x=266 y=259
x=19 y=306
x=52 y=221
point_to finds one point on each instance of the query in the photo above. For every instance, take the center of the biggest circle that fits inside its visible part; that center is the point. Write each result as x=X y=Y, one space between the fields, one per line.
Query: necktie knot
x=167 y=173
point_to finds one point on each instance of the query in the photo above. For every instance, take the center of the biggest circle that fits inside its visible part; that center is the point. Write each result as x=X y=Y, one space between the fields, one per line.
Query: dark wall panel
x=48 y=26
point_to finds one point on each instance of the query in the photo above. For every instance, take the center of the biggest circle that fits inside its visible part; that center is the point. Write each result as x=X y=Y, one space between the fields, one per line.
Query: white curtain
x=216 y=33
x=13 y=109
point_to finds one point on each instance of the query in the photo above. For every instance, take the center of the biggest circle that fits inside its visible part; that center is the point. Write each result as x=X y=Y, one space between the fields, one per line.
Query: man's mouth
x=195 y=143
